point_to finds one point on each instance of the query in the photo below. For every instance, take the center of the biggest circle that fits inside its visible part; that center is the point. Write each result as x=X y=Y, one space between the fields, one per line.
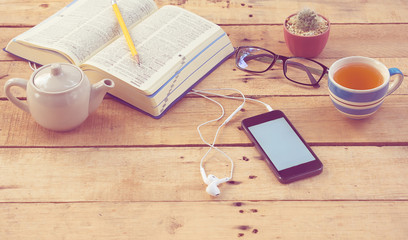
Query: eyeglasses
x=299 y=70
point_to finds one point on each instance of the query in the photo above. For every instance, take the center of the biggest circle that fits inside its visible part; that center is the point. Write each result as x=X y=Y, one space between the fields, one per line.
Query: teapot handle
x=19 y=82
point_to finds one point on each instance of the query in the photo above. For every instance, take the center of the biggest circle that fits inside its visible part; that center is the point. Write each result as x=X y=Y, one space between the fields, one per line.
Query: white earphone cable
x=202 y=93
x=206 y=91
x=212 y=145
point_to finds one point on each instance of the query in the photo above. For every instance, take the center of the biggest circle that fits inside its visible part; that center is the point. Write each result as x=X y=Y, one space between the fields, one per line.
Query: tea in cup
x=359 y=85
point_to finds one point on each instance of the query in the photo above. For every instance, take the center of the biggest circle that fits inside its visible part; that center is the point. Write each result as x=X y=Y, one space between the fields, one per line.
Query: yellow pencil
x=125 y=31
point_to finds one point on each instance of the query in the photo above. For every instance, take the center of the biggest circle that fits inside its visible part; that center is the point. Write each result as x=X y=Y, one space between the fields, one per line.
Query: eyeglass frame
x=284 y=60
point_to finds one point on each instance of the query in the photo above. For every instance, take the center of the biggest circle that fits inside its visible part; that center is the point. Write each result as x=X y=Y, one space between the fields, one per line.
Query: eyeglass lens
x=303 y=71
x=254 y=59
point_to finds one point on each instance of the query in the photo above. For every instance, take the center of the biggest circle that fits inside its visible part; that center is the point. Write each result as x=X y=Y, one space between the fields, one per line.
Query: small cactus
x=306 y=23
x=307 y=20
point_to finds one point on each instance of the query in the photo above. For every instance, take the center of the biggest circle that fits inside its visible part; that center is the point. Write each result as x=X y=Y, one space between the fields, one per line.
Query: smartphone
x=287 y=154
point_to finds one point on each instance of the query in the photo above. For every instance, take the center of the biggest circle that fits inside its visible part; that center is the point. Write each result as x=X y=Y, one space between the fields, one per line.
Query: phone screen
x=281 y=143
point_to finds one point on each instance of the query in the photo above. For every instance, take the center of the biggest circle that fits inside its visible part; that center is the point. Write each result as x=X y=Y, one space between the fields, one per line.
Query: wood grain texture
x=171 y=174
x=114 y=124
x=206 y=220
x=30 y=13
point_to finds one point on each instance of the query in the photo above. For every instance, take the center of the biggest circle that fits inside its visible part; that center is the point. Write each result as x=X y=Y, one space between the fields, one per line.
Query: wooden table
x=123 y=175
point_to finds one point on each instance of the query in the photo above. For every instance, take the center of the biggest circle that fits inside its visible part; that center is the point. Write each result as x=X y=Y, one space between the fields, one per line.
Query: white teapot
x=59 y=96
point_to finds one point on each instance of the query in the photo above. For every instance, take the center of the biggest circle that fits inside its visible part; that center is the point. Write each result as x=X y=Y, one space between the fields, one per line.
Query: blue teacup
x=359 y=104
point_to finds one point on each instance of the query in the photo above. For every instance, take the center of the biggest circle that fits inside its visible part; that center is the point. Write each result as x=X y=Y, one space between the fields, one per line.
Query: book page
x=85 y=26
x=162 y=41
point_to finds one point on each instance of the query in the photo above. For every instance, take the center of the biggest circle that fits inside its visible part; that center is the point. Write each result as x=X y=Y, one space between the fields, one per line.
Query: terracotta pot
x=305 y=46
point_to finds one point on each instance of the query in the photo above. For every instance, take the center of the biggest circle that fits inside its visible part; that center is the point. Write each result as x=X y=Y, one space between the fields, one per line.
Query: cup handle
x=396 y=82
x=18 y=82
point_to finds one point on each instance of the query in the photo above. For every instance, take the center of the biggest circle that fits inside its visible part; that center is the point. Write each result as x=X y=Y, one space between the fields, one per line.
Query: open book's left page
x=78 y=31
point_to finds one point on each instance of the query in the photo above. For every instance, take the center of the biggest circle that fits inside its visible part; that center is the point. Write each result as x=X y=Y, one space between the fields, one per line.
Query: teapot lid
x=57 y=77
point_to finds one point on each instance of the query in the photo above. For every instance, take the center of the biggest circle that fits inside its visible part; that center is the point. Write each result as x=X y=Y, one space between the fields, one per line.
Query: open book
x=177 y=48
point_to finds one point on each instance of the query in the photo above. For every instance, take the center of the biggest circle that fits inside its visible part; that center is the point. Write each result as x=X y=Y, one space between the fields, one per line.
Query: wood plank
x=29 y=13
x=114 y=124
x=172 y=174
x=272 y=83
x=342 y=40
x=227 y=220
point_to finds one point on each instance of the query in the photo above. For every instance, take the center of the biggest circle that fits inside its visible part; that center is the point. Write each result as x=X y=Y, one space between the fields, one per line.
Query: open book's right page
x=161 y=41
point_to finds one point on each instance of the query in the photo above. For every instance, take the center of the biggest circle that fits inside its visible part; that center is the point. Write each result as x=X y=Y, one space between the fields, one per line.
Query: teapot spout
x=98 y=91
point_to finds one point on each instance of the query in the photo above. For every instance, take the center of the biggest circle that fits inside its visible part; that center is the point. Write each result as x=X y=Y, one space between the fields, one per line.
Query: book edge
x=178 y=98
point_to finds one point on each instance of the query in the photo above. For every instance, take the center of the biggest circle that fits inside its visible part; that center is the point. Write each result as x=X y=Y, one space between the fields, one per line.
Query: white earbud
x=212 y=182
x=212 y=188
